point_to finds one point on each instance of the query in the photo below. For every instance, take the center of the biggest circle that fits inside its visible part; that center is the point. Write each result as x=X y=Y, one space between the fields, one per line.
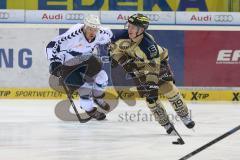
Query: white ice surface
x=29 y=130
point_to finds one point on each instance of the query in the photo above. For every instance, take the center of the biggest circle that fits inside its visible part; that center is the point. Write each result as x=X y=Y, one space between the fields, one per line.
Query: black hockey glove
x=121 y=59
x=55 y=69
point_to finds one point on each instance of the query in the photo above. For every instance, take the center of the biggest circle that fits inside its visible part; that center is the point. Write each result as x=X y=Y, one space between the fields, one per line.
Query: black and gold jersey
x=145 y=50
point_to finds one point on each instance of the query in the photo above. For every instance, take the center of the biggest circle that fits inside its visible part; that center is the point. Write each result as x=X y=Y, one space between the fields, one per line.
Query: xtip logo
x=236 y=96
x=199 y=96
x=228 y=57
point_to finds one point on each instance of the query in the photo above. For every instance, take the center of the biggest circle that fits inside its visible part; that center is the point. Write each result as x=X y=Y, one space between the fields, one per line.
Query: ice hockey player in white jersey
x=78 y=47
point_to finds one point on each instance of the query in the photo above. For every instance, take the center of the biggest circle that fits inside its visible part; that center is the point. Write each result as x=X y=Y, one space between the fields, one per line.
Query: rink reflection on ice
x=30 y=130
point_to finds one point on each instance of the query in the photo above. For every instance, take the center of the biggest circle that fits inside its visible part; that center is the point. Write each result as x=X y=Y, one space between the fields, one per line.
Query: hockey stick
x=210 y=143
x=81 y=120
x=180 y=139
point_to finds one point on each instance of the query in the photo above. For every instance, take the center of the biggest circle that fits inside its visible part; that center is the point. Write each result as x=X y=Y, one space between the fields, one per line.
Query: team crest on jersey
x=124 y=45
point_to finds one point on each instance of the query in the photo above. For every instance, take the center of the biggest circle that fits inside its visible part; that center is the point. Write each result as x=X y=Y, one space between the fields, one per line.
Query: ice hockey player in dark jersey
x=147 y=62
x=78 y=47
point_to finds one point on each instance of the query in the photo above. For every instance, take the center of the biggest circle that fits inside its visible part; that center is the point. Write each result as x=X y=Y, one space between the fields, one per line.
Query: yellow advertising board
x=188 y=94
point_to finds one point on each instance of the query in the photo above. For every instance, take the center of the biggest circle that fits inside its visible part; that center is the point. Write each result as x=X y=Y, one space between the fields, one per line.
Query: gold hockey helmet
x=139 y=20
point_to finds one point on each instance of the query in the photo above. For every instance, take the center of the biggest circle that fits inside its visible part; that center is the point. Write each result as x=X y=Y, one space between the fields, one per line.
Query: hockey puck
x=179 y=141
x=175 y=142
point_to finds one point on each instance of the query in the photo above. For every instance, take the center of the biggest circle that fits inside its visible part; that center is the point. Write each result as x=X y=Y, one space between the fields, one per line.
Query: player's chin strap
x=140 y=33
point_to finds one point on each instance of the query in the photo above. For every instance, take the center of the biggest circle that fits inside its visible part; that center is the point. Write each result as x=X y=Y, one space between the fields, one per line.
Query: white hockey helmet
x=92 y=21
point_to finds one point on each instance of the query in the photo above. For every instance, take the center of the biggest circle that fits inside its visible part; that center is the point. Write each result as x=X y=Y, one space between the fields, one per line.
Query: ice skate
x=102 y=104
x=169 y=129
x=96 y=114
x=188 y=122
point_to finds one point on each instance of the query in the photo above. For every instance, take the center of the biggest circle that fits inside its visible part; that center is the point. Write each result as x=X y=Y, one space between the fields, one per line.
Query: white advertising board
x=208 y=18
x=23 y=61
x=53 y=17
x=120 y=17
x=11 y=16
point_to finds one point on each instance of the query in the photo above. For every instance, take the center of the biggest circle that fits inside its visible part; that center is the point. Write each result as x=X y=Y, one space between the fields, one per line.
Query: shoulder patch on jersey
x=149 y=47
x=153 y=51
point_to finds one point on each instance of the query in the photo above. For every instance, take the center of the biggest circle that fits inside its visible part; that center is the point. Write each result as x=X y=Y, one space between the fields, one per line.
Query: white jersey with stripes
x=74 y=43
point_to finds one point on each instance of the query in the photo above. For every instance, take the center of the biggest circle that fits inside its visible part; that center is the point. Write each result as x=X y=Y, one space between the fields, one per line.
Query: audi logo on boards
x=74 y=16
x=153 y=17
x=4 y=15
x=223 y=18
